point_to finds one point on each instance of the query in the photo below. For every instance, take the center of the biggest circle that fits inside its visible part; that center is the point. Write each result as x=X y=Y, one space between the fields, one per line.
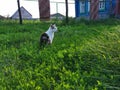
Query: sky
x=9 y=7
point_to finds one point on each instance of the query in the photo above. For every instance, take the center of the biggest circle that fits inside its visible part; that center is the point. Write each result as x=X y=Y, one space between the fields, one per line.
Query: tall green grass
x=85 y=55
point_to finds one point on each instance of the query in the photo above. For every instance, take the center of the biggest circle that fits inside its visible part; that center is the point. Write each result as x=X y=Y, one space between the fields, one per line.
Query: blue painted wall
x=101 y=13
x=77 y=8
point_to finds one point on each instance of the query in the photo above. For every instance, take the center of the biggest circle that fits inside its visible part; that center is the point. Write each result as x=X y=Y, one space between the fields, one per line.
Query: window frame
x=102 y=5
x=100 y=1
x=84 y=11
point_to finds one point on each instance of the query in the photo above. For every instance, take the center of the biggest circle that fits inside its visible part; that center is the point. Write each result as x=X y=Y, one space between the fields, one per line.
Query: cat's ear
x=52 y=26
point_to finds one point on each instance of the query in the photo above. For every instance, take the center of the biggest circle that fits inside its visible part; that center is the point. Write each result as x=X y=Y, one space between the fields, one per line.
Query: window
x=88 y=5
x=101 y=5
x=82 y=6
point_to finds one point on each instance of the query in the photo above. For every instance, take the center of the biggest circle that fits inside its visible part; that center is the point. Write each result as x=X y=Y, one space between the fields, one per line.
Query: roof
x=1 y=17
x=23 y=11
x=57 y=15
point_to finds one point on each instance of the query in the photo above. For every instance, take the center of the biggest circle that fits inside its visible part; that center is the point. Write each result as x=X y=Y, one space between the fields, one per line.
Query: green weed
x=84 y=56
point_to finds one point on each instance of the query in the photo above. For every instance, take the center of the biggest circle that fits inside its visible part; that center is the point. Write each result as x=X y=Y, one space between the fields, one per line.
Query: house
x=25 y=14
x=57 y=16
x=90 y=8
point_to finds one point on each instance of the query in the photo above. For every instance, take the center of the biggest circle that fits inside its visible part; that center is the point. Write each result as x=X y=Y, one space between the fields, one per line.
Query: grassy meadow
x=84 y=55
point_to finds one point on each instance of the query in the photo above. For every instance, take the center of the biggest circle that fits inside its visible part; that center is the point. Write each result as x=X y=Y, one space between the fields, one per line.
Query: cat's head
x=53 y=27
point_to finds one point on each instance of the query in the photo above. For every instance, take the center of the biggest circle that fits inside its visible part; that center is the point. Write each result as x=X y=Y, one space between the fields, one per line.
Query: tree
x=44 y=9
x=117 y=11
x=66 y=3
x=20 y=16
x=94 y=8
